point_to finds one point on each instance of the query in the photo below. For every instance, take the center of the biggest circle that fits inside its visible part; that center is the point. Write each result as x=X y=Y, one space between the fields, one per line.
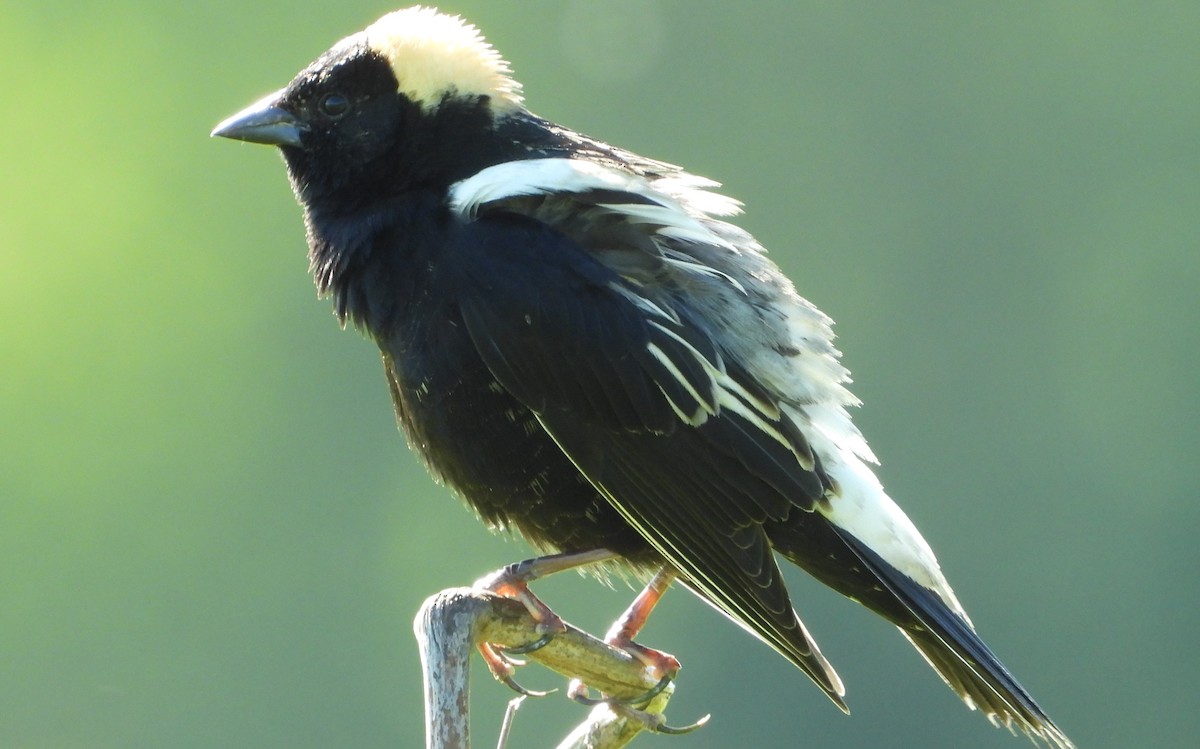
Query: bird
x=582 y=346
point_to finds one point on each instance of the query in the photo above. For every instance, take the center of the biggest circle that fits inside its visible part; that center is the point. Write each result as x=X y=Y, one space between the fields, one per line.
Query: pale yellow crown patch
x=434 y=54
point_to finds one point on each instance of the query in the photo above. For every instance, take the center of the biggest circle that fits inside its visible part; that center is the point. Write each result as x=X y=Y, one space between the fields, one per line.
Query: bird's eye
x=334 y=105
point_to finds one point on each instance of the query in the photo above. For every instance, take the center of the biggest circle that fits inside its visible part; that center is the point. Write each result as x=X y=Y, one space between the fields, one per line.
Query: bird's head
x=418 y=97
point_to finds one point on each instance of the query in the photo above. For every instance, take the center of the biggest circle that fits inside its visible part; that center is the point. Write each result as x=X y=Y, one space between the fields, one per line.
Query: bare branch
x=450 y=625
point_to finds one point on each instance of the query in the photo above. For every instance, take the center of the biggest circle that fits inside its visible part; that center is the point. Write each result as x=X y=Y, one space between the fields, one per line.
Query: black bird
x=581 y=347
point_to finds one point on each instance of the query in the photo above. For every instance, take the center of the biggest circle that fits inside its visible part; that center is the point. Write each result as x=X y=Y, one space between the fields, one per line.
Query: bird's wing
x=708 y=285
x=682 y=374
x=641 y=399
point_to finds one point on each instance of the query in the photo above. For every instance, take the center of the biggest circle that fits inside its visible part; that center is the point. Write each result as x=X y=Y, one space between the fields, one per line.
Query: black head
x=417 y=99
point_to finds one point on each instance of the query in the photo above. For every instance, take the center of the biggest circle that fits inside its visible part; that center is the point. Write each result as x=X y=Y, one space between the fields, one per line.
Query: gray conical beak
x=263 y=122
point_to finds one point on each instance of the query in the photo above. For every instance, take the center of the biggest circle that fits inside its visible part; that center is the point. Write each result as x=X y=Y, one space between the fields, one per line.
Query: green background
x=211 y=534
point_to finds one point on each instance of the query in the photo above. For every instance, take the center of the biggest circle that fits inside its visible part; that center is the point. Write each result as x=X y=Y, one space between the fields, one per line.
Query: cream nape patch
x=434 y=54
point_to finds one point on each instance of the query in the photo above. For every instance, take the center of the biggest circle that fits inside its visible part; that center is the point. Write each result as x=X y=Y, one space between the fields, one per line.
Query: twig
x=510 y=714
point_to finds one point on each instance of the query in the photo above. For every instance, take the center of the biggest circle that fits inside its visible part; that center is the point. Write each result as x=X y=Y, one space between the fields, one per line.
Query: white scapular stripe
x=678 y=202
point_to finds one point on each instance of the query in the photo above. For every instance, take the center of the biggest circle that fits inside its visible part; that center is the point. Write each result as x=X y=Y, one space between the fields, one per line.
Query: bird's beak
x=263 y=122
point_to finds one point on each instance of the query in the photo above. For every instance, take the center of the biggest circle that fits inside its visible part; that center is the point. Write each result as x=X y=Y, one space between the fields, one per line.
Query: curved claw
x=656 y=690
x=579 y=693
x=537 y=644
x=654 y=722
x=673 y=731
x=513 y=685
x=503 y=670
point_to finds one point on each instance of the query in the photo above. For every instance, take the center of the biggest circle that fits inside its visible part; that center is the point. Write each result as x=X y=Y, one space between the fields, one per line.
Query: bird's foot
x=634 y=709
x=660 y=665
x=655 y=722
x=499 y=659
x=513 y=582
x=579 y=692
x=504 y=668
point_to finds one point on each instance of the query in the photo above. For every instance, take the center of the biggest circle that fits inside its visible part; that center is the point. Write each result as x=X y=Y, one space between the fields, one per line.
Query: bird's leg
x=626 y=627
x=621 y=635
x=630 y=623
x=513 y=582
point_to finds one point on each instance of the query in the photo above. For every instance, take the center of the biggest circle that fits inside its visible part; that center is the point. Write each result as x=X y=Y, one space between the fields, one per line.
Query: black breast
x=477 y=438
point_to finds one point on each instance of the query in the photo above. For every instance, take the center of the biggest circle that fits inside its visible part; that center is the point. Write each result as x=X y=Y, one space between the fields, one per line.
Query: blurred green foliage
x=211 y=534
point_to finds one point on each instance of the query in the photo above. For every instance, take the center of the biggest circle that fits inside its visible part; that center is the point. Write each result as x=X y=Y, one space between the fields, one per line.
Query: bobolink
x=580 y=346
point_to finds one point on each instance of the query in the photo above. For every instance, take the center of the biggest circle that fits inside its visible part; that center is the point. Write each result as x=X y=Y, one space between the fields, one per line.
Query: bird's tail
x=949 y=644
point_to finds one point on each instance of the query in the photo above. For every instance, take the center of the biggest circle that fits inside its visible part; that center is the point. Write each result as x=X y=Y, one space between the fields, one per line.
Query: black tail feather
x=949 y=644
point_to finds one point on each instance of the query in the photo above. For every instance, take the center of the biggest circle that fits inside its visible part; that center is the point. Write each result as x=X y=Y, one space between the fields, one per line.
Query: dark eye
x=334 y=105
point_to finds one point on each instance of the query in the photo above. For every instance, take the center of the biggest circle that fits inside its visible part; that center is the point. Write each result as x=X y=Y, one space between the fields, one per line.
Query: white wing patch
x=691 y=266
x=720 y=391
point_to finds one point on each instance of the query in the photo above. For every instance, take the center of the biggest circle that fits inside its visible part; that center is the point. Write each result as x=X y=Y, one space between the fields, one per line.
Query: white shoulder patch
x=679 y=201
x=513 y=179
x=434 y=54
